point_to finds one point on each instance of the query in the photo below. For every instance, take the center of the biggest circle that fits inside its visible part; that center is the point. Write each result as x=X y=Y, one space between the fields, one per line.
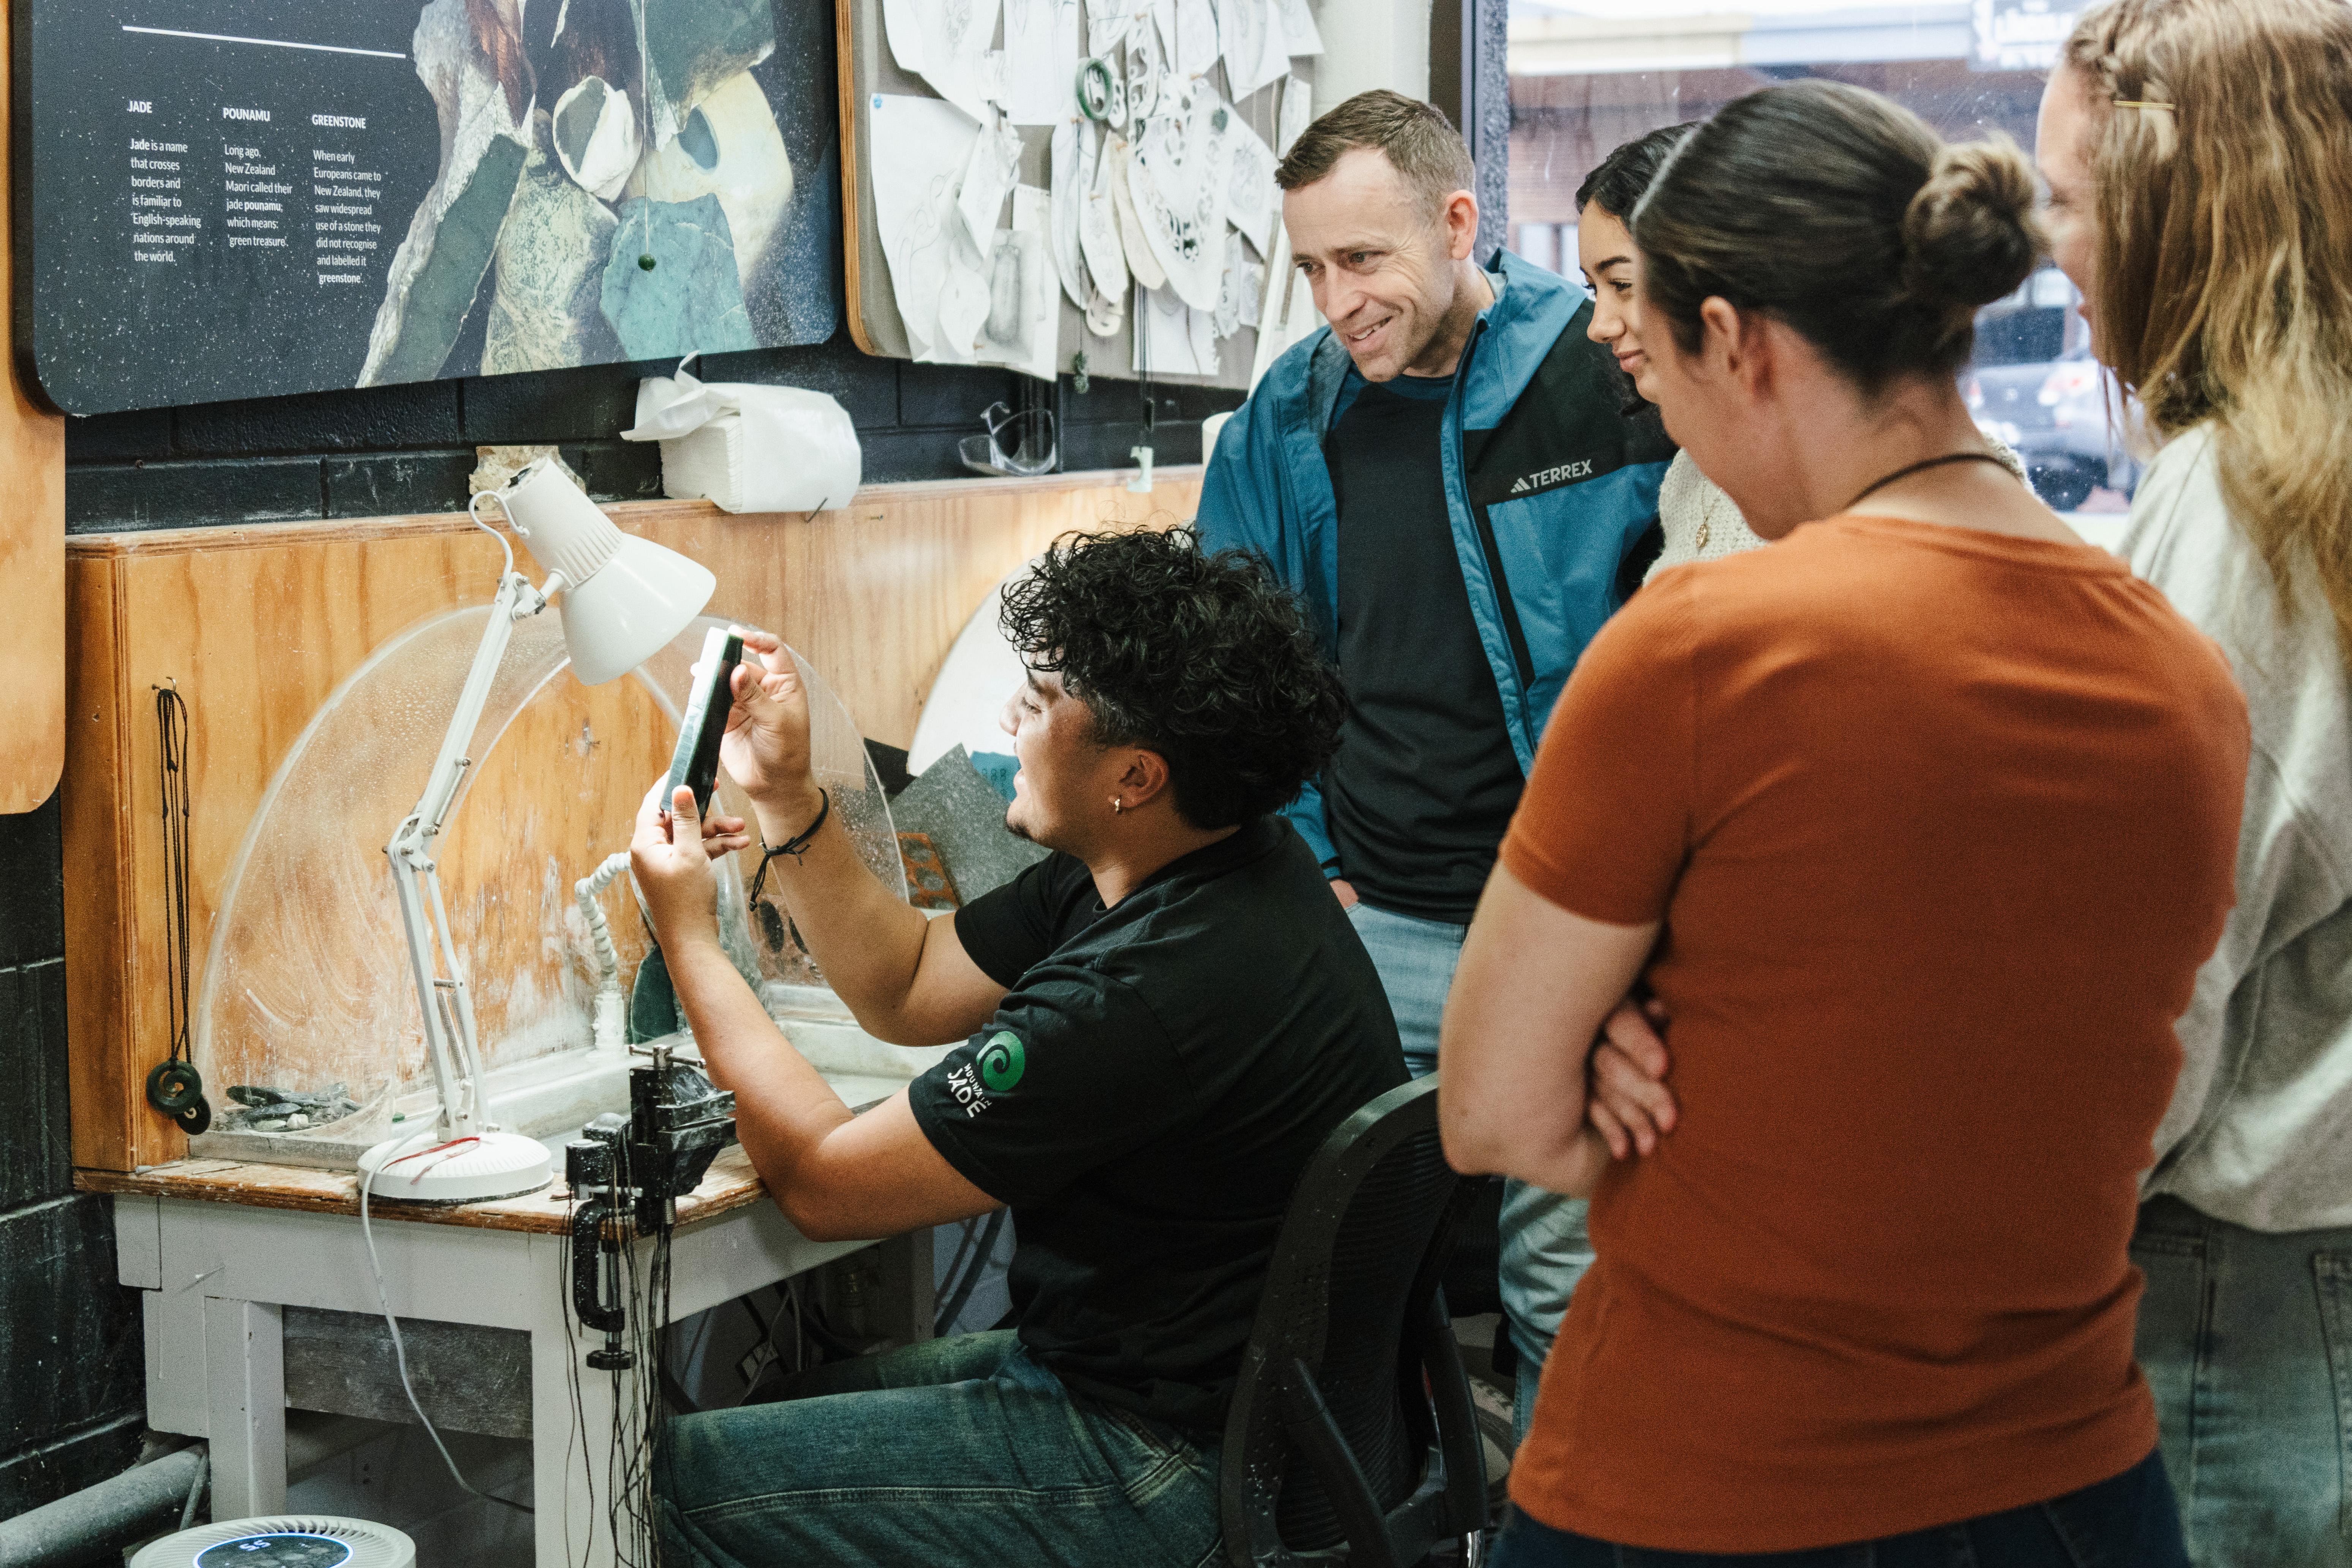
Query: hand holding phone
x=695 y=764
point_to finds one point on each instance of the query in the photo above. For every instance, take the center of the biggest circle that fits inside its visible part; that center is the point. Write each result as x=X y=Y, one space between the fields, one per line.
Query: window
x=1589 y=75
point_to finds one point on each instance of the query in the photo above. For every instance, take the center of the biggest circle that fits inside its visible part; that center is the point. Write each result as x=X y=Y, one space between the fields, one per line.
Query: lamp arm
x=451 y=1043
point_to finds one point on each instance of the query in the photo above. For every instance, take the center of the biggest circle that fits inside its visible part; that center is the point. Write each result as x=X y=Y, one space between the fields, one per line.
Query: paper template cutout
x=1022 y=312
x=1251 y=197
x=1177 y=180
x=1252 y=45
x=1069 y=159
x=1104 y=315
x=1099 y=239
x=920 y=148
x=1174 y=339
x=1287 y=313
x=1237 y=294
x=1141 y=261
x=963 y=302
x=1107 y=25
x=946 y=42
x=1298 y=113
x=1146 y=76
x=1300 y=35
x=1041 y=59
x=1196 y=45
x=902 y=23
x=989 y=177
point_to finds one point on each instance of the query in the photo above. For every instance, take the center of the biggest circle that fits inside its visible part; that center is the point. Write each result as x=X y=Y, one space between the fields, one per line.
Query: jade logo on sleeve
x=995 y=1070
x=1000 y=1063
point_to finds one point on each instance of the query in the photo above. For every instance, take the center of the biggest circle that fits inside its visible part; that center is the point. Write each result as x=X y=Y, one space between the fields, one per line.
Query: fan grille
x=367 y=1543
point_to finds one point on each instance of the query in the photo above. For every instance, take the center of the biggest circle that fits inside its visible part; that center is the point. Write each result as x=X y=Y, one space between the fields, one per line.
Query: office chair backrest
x=1331 y=1436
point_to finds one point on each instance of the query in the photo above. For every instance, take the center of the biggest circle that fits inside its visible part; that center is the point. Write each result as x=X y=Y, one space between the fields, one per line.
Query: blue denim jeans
x=964 y=1451
x=2127 y=1521
x=2246 y=1338
x=1545 y=1251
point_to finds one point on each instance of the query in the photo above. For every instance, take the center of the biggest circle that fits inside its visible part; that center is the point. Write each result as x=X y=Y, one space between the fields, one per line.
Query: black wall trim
x=373 y=451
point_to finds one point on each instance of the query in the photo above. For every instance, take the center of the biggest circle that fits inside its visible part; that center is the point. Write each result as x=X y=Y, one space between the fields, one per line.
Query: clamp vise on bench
x=626 y=1175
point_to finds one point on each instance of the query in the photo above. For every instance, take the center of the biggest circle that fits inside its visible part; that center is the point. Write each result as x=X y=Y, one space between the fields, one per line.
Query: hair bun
x=1971 y=234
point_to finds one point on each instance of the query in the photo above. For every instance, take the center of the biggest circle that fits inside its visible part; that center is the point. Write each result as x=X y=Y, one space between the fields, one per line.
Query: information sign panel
x=237 y=198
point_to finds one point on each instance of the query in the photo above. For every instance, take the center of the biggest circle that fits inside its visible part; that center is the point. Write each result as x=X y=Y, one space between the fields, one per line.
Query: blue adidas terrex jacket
x=1550 y=487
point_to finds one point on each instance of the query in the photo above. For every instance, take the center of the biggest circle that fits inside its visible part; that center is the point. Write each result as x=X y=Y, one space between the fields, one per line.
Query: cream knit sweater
x=1701 y=524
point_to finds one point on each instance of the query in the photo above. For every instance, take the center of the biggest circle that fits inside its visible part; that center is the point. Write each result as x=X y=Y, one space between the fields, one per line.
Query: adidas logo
x=1543 y=479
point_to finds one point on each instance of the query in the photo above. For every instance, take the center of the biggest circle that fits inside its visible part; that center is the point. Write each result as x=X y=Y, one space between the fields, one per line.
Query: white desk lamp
x=623 y=600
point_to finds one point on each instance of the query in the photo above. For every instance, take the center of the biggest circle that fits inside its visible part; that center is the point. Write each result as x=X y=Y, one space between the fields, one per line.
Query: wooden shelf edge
x=269 y=535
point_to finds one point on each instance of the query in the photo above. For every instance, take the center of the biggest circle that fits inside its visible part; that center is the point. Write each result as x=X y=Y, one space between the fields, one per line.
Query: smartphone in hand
x=695 y=764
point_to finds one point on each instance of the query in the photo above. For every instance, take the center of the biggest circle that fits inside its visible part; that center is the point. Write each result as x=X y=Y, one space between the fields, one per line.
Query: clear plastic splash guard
x=306 y=1003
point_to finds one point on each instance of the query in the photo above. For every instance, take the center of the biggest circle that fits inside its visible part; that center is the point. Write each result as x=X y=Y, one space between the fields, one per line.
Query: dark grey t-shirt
x=1146 y=1096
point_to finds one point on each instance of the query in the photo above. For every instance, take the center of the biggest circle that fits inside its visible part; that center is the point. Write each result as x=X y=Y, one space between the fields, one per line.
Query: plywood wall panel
x=32 y=554
x=258 y=625
x=95 y=811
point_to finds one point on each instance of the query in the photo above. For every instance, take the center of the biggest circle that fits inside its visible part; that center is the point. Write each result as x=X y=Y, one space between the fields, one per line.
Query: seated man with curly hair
x=1162 y=1021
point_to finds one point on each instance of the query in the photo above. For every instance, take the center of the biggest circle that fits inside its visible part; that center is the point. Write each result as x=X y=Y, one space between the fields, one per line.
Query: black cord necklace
x=1921 y=467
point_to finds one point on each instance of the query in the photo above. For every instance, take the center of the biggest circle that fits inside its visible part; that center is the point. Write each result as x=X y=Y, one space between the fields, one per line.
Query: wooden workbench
x=730 y=1183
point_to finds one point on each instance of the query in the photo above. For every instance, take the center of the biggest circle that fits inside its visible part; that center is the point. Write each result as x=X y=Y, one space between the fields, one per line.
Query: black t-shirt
x=1147 y=1096
x=1423 y=784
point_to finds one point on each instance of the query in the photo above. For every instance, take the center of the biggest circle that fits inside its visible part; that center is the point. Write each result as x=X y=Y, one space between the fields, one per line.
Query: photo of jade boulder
x=618 y=180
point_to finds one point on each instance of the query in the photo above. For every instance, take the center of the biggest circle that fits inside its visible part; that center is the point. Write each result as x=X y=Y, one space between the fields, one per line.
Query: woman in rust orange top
x=1919 y=824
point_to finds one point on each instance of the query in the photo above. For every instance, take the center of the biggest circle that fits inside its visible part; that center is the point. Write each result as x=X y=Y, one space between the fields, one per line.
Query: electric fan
x=284 y=1540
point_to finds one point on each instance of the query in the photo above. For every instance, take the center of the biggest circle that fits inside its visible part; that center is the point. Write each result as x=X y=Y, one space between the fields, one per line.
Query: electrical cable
x=173 y=1085
x=645 y=137
x=578 y=1429
x=399 y=1346
x=195 y=1489
x=480 y=497
x=172 y=722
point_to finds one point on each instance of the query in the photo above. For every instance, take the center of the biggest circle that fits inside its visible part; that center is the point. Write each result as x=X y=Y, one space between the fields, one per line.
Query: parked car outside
x=2064 y=419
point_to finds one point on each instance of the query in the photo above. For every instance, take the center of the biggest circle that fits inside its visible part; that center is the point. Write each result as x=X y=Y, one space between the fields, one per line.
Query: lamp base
x=493 y=1165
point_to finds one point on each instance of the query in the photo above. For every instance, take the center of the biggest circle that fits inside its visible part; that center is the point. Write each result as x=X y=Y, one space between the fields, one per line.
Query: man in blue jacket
x=1444 y=474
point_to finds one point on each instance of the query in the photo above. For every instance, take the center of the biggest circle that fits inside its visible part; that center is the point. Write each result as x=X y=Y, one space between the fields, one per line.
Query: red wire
x=420 y=1154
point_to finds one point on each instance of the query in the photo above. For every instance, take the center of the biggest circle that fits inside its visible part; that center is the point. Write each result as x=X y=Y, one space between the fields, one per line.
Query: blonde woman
x=2199 y=154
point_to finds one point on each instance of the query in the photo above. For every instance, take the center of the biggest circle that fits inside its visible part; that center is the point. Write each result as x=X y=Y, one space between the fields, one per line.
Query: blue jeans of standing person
x=1544 y=1250
x=2246 y=1338
x=964 y=1451
x=2128 y=1522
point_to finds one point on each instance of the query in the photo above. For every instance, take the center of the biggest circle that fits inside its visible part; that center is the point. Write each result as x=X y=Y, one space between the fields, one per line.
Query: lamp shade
x=623 y=598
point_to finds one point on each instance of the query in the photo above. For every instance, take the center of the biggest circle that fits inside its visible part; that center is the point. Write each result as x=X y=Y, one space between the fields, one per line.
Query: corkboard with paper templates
x=1028 y=181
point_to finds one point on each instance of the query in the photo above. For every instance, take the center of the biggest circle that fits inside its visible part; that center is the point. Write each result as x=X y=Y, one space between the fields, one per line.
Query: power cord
x=173 y=1085
x=399 y=1346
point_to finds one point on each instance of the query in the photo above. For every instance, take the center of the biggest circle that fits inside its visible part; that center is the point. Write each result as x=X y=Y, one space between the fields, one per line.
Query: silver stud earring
x=1117 y=805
